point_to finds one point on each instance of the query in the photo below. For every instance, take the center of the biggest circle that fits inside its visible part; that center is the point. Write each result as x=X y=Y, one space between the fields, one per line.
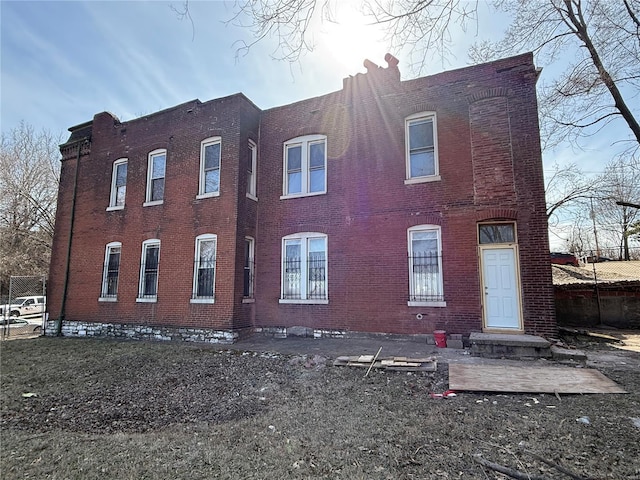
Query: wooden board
x=407 y=364
x=529 y=379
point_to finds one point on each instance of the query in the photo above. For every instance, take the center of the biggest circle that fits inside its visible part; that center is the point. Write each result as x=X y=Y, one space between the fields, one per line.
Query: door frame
x=518 y=283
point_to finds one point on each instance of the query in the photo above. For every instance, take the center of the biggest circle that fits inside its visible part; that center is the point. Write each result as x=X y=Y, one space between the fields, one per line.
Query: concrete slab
x=566 y=355
x=508 y=340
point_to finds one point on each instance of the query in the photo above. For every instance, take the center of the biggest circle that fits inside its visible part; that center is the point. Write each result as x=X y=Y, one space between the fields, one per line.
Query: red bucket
x=440 y=336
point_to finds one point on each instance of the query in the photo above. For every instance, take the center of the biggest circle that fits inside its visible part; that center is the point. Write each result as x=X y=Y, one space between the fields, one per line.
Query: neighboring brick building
x=387 y=206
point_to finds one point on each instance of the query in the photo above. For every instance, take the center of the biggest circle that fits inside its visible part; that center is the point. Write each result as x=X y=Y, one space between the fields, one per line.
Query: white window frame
x=207 y=237
x=412 y=287
x=113 y=197
x=304 y=239
x=104 y=296
x=152 y=155
x=249 y=269
x=202 y=184
x=408 y=121
x=252 y=175
x=142 y=298
x=305 y=143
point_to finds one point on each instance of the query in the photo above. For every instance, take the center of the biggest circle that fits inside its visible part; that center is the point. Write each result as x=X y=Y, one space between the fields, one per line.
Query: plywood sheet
x=529 y=379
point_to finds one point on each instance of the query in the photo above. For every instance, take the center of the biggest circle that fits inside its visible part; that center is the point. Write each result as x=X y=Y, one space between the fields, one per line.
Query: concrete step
x=504 y=345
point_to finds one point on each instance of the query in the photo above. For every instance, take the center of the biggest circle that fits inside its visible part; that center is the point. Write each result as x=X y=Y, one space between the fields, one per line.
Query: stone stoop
x=504 y=345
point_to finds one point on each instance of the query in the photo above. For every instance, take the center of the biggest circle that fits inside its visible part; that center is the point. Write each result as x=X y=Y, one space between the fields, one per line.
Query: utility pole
x=595 y=231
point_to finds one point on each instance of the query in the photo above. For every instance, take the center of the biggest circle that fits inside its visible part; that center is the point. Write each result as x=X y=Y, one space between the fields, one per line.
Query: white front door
x=501 y=291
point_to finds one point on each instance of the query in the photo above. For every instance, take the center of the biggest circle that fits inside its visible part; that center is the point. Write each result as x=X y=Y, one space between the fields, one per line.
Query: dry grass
x=125 y=410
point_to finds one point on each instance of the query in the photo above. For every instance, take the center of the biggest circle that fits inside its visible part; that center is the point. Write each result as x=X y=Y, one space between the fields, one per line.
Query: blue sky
x=63 y=62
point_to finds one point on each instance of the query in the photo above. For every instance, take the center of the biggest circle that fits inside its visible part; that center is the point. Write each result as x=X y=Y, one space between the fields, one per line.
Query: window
x=305 y=160
x=425 y=266
x=252 y=163
x=249 y=246
x=118 y=184
x=155 y=177
x=150 y=262
x=110 y=272
x=204 y=269
x=421 y=148
x=304 y=268
x=210 y=151
x=496 y=233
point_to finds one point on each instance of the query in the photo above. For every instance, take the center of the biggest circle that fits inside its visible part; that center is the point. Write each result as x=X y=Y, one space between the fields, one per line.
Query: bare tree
x=565 y=186
x=621 y=182
x=29 y=176
x=598 y=40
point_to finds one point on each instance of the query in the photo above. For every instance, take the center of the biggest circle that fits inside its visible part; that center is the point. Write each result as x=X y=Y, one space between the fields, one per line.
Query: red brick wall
x=490 y=167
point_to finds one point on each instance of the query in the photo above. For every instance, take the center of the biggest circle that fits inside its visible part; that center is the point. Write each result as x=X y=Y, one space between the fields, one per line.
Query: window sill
x=115 y=207
x=151 y=204
x=248 y=300
x=431 y=178
x=304 y=302
x=200 y=196
x=252 y=197
x=108 y=299
x=427 y=304
x=147 y=300
x=300 y=195
x=202 y=300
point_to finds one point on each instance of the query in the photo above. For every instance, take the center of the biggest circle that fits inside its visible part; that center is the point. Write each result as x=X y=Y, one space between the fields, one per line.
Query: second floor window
x=252 y=163
x=305 y=166
x=155 y=176
x=421 y=147
x=149 y=268
x=118 y=184
x=210 y=167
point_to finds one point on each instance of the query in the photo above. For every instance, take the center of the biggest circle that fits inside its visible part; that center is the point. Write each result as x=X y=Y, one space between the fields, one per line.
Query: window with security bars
x=249 y=267
x=210 y=152
x=304 y=267
x=149 y=268
x=204 y=268
x=425 y=265
x=421 y=145
x=111 y=271
x=156 y=176
x=118 y=184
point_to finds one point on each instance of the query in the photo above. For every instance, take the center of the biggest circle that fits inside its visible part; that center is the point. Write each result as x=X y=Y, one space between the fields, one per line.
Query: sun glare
x=350 y=38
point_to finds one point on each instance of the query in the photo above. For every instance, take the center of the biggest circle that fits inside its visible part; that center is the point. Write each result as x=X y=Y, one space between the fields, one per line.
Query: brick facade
x=490 y=170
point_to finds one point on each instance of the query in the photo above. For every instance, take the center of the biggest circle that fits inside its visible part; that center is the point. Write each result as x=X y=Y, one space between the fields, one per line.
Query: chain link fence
x=23 y=307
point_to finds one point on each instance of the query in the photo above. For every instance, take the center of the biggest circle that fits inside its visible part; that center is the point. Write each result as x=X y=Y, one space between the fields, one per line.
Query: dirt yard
x=99 y=409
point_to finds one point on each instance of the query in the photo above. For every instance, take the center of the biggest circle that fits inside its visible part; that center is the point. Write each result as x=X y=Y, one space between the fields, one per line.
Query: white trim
x=145 y=245
x=426 y=304
x=305 y=143
x=202 y=173
x=202 y=300
x=407 y=121
x=107 y=299
x=196 y=265
x=425 y=228
x=413 y=181
x=252 y=197
x=303 y=302
x=207 y=195
x=150 y=157
x=248 y=300
x=113 y=196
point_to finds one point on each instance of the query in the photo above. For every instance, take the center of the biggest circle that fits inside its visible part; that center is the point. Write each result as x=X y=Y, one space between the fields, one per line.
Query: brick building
x=387 y=206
